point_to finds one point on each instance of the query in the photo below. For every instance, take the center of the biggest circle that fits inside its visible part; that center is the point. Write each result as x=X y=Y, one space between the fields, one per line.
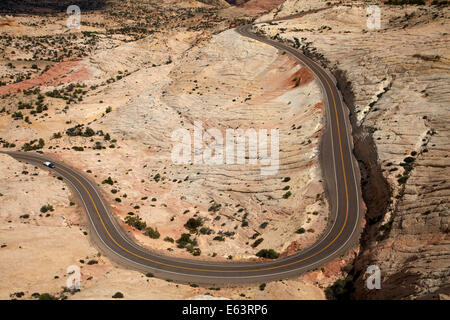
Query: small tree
x=192 y=224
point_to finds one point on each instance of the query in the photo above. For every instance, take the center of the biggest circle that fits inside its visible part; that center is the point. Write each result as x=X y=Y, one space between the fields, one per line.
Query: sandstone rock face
x=396 y=82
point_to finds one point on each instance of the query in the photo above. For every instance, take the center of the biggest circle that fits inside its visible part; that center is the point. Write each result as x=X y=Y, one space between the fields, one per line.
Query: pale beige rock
x=399 y=77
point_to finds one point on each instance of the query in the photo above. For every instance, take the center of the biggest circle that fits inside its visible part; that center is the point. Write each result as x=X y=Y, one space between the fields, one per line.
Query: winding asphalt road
x=343 y=192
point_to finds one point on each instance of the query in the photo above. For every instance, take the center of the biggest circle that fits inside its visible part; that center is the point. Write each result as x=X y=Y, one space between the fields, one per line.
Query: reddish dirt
x=318 y=106
x=329 y=271
x=62 y=72
x=262 y=4
x=292 y=248
x=304 y=75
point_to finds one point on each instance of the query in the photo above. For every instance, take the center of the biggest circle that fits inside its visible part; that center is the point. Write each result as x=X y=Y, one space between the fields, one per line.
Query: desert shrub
x=193 y=223
x=17 y=115
x=46 y=296
x=215 y=207
x=136 y=222
x=118 y=295
x=46 y=208
x=205 y=230
x=184 y=240
x=287 y=195
x=268 y=253
x=402 y=180
x=98 y=146
x=78 y=131
x=340 y=290
x=108 y=181
x=169 y=239
x=29 y=146
x=219 y=238
x=300 y=231
x=257 y=242
x=152 y=233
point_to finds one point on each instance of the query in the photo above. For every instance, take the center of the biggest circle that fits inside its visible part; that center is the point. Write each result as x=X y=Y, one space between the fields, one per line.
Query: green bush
x=78 y=131
x=169 y=239
x=136 y=222
x=287 y=195
x=29 y=146
x=118 y=295
x=184 y=240
x=46 y=208
x=196 y=251
x=46 y=296
x=193 y=223
x=205 y=230
x=152 y=233
x=108 y=181
x=268 y=253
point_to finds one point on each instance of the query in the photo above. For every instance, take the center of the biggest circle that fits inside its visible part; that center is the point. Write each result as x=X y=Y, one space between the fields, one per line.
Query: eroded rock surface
x=398 y=89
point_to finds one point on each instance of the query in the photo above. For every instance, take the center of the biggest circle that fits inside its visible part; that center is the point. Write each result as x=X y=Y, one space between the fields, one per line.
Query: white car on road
x=49 y=164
